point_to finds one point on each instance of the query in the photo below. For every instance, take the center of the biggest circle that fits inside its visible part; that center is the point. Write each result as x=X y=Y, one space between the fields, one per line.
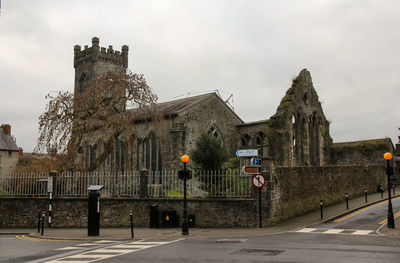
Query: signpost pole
x=259 y=206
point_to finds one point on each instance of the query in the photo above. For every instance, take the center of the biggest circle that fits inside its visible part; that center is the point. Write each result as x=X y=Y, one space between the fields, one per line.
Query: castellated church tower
x=92 y=62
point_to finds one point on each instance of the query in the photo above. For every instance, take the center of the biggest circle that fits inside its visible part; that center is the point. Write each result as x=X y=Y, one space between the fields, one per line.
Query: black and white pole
x=50 y=191
x=389 y=172
x=50 y=207
x=43 y=218
x=347 y=201
x=366 y=194
x=131 y=219
x=38 y=227
x=321 y=206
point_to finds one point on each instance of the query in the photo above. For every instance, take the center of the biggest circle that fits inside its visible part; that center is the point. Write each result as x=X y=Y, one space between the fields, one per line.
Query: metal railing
x=160 y=184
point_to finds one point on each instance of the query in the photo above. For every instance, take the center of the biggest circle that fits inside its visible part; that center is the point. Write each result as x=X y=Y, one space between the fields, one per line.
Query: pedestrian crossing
x=105 y=249
x=356 y=232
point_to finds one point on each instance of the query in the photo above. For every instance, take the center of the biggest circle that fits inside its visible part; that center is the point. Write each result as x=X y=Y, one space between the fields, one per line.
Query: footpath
x=309 y=219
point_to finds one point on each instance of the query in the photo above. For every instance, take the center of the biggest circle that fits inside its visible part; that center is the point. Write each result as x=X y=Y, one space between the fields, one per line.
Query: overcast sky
x=251 y=49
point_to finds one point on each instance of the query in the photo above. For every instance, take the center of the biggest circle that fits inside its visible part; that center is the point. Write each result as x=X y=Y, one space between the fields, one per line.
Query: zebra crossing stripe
x=108 y=252
x=306 y=230
x=335 y=231
x=362 y=232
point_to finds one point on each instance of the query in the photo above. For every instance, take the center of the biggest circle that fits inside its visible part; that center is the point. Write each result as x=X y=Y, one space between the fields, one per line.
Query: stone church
x=296 y=135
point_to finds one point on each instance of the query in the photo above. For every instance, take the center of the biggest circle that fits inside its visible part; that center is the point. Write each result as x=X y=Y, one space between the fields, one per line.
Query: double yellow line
x=364 y=209
x=385 y=221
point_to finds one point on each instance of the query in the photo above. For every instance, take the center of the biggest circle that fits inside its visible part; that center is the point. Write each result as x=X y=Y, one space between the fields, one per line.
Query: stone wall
x=72 y=212
x=296 y=191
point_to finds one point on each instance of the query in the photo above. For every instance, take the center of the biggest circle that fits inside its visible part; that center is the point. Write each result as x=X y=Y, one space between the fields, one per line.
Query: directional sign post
x=250 y=169
x=258 y=181
x=247 y=153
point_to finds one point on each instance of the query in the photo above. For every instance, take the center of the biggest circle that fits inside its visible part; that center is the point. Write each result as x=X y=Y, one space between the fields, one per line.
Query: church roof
x=170 y=108
x=6 y=142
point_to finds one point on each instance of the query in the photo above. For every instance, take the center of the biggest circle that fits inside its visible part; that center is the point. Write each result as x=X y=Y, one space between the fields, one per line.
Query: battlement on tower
x=97 y=53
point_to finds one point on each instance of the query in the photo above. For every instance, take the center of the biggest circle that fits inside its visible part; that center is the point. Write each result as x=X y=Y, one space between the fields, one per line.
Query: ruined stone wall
x=360 y=153
x=298 y=190
x=299 y=131
x=72 y=212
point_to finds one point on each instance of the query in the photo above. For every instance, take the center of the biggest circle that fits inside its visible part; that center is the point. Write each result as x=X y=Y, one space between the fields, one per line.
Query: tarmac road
x=352 y=238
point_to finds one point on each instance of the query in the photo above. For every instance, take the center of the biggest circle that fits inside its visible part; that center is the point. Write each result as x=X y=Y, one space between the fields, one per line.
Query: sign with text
x=247 y=153
x=250 y=169
x=50 y=184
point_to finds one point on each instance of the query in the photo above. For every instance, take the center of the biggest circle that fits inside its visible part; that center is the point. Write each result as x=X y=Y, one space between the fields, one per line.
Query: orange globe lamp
x=185 y=158
x=387 y=156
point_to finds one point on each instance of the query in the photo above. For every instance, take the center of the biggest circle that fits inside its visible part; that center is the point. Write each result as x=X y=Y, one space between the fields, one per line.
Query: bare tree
x=98 y=116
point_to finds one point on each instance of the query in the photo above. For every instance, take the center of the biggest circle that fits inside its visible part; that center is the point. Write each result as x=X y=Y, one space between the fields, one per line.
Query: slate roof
x=171 y=108
x=6 y=142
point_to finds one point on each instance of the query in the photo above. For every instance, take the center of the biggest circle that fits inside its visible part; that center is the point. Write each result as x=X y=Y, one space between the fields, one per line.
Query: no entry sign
x=258 y=180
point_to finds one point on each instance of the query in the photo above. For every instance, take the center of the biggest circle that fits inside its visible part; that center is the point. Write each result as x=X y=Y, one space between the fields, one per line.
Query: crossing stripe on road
x=336 y=231
x=108 y=252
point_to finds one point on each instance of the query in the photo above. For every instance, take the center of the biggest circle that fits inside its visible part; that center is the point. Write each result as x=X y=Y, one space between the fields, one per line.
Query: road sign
x=258 y=180
x=255 y=161
x=50 y=184
x=250 y=169
x=247 y=153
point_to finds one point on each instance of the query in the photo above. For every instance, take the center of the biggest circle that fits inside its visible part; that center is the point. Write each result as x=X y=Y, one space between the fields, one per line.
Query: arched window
x=214 y=131
x=152 y=153
x=259 y=139
x=245 y=140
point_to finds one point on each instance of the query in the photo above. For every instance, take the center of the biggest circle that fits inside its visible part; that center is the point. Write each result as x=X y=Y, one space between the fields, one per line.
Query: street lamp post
x=389 y=172
x=185 y=223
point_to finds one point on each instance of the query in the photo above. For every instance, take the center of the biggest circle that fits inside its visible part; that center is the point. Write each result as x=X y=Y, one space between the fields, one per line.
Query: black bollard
x=131 y=218
x=347 y=201
x=394 y=190
x=321 y=204
x=366 y=195
x=381 y=192
x=38 y=224
x=43 y=215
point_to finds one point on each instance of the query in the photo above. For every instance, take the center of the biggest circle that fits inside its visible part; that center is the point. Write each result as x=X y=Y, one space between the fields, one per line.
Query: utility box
x=192 y=221
x=169 y=219
x=94 y=210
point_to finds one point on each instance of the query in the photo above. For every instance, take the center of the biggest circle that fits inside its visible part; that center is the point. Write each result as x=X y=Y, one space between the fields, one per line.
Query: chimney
x=7 y=128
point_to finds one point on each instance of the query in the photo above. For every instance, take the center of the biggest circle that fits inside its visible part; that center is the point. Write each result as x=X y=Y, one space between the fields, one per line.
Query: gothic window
x=245 y=141
x=259 y=139
x=305 y=98
x=152 y=154
x=213 y=131
x=259 y=142
x=120 y=155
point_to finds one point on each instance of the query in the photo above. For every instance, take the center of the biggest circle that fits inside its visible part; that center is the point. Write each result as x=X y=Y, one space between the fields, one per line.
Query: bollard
x=366 y=195
x=321 y=204
x=347 y=201
x=131 y=218
x=38 y=224
x=394 y=190
x=381 y=191
x=43 y=216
